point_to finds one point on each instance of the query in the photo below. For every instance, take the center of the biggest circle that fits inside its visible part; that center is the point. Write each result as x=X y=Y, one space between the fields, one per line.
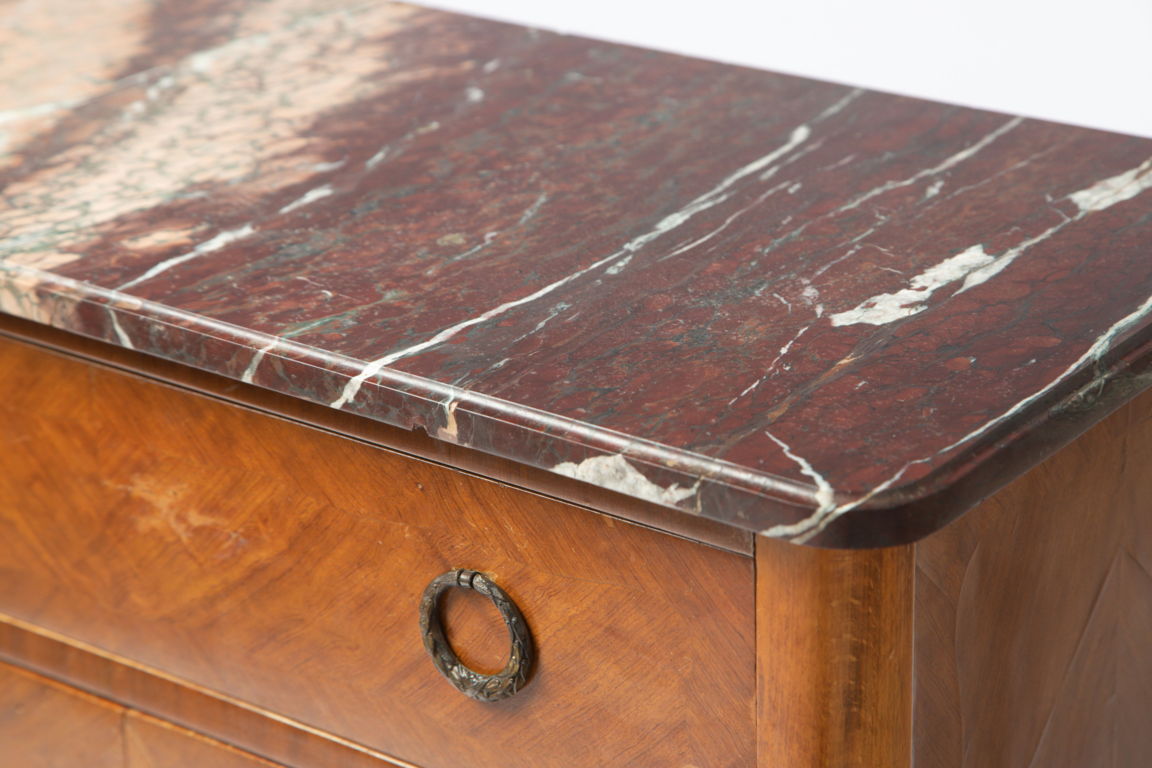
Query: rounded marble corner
x=906 y=513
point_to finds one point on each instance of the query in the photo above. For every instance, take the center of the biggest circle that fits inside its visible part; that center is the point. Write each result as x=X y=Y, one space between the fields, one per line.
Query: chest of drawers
x=739 y=419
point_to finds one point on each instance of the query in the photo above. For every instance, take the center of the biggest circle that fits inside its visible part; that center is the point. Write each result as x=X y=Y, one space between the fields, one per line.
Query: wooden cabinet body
x=808 y=426
x=256 y=580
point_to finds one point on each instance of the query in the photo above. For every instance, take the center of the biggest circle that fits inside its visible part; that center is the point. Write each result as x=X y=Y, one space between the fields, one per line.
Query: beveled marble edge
x=57 y=297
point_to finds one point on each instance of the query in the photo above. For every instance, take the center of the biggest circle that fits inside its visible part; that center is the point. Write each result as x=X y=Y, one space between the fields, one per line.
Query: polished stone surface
x=821 y=313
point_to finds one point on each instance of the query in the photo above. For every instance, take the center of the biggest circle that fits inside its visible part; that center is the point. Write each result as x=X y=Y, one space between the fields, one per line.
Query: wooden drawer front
x=44 y=724
x=283 y=567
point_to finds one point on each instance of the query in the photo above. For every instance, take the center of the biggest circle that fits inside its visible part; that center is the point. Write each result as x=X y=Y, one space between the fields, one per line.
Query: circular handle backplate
x=472 y=683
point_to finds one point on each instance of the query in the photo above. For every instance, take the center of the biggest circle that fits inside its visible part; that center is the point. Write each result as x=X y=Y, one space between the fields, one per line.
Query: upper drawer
x=284 y=567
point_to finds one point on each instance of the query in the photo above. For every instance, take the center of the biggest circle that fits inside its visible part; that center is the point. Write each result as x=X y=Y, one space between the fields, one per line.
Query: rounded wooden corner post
x=833 y=656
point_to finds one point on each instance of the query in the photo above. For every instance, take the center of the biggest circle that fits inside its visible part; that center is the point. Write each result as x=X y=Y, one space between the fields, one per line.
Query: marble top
x=811 y=311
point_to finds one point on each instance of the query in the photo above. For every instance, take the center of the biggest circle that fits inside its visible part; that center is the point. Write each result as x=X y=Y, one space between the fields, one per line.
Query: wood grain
x=833 y=641
x=152 y=743
x=35 y=714
x=266 y=734
x=283 y=567
x=1034 y=614
x=44 y=724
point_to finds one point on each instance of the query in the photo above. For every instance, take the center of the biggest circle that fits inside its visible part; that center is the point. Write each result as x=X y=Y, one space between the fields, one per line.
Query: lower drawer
x=283 y=567
x=44 y=724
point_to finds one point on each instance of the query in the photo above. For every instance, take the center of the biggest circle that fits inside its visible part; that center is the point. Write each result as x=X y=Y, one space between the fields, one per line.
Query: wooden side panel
x=44 y=724
x=1034 y=614
x=833 y=641
x=283 y=568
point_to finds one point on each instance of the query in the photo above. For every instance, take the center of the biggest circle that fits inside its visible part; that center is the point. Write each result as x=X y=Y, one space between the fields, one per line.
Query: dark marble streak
x=831 y=315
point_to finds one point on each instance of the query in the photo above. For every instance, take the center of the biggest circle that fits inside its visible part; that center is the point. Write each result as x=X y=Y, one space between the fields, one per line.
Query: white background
x=1086 y=63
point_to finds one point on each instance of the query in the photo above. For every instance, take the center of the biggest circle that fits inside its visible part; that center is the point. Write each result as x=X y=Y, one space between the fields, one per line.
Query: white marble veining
x=615 y=262
x=975 y=266
x=1099 y=197
x=257 y=358
x=311 y=196
x=887 y=307
x=1116 y=189
x=214 y=243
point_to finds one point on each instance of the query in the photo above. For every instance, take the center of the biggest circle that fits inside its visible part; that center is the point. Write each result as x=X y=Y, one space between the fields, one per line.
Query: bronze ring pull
x=480 y=687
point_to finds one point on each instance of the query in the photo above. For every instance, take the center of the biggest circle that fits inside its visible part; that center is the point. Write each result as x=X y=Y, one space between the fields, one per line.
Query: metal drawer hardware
x=472 y=683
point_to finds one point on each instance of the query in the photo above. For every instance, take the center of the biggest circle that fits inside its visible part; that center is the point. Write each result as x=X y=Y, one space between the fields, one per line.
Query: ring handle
x=470 y=682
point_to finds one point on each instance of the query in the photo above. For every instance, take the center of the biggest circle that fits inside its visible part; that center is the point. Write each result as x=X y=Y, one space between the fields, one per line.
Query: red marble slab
x=820 y=313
